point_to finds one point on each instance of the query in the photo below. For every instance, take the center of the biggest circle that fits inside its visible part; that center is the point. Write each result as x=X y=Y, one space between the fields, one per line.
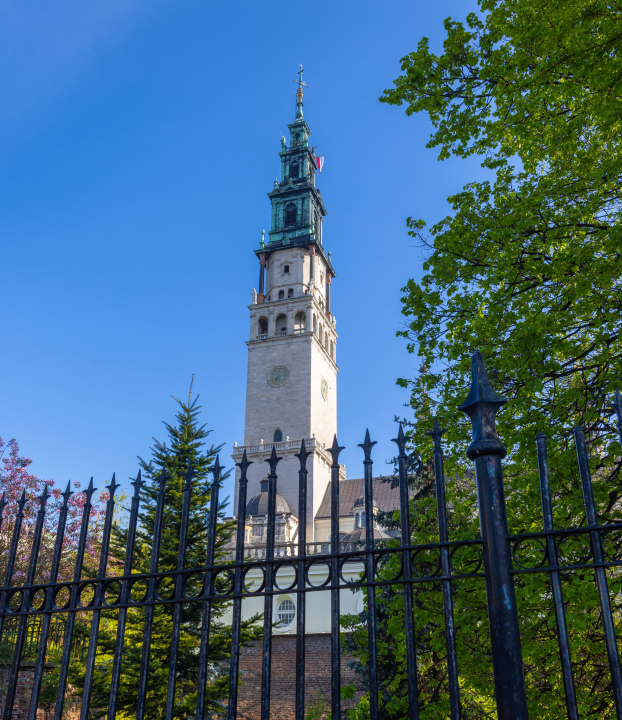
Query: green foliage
x=527 y=269
x=186 y=439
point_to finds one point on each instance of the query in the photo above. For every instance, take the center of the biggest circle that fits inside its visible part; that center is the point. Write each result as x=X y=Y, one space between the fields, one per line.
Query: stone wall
x=283 y=679
x=24 y=690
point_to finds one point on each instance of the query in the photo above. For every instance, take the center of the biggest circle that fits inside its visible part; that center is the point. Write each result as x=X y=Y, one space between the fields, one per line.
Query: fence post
x=487 y=451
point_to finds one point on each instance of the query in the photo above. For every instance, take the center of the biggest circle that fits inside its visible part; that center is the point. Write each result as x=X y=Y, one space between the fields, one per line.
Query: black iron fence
x=498 y=563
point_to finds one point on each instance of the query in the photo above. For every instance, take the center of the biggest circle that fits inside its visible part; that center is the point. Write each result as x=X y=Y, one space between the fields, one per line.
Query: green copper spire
x=297 y=205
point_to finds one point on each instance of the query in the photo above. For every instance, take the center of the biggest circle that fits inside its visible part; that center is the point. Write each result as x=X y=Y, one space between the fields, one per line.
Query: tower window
x=294 y=170
x=278 y=435
x=285 y=268
x=281 y=294
x=286 y=612
x=300 y=321
x=290 y=214
x=262 y=327
x=281 y=325
x=290 y=292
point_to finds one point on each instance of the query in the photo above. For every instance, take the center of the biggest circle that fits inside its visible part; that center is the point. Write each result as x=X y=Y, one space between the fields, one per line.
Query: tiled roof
x=385 y=497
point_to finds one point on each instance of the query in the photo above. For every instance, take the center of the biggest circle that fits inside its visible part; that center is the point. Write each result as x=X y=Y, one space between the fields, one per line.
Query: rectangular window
x=285 y=268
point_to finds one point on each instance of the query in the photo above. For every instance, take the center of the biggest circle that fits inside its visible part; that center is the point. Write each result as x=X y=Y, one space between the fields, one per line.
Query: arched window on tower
x=262 y=328
x=318 y=227
x=326 y=341
x=281 y=325
x=294 y=170
x=281 y=294
x=290 y=292
x=278 y=435
x=290 y=214
x=299 y=322
x=332 y=350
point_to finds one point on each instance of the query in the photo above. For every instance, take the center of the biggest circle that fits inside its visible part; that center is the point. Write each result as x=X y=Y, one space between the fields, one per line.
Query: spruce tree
x=186 y=447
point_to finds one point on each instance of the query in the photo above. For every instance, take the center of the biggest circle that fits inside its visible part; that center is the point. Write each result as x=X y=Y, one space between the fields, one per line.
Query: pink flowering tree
x=16 y=479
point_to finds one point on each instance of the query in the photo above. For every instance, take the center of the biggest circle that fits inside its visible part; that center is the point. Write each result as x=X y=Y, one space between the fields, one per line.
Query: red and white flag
x=320 y=162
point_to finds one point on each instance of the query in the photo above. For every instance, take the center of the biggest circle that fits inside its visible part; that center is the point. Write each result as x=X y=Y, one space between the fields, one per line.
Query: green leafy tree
x=186 y=441
x=526 y=268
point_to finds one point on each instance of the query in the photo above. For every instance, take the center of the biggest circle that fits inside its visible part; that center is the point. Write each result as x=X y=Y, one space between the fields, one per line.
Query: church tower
x=291 y=390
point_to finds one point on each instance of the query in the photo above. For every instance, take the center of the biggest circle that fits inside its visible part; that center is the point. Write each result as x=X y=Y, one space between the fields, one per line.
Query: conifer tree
x=185 y=448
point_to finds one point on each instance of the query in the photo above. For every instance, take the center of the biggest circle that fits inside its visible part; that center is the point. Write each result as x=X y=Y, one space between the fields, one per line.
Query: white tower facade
x=291 y=391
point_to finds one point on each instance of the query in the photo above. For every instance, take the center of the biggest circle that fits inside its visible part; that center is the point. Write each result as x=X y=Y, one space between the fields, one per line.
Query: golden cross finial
x=301 y=84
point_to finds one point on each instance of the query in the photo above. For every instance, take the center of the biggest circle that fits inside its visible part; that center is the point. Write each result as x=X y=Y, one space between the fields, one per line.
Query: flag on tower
x=320 y=162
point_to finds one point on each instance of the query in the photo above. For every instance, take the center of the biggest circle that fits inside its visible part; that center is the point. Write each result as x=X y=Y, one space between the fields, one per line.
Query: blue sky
x=138 y=140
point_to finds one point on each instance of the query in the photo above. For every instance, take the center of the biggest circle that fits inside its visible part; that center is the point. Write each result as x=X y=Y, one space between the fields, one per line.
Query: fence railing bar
x=236 y=618
x=556 y=584
x=115 y=677
x=301 y=582
x=341 y=585
x=48 y=604
x=486 y=450
x=10 y=566
x=367 y=446
x=178 y=594
x=347 y=558
x=266 y=658
x=25 y=600
x=143 y=678
x=99 y=590
x=584 y=530
x=616 y=406
x=206 y=616
x=335 y=611
x=73 y=602
x=600 y=572
x=342 y=555
x=448 y=601
x=411 y=657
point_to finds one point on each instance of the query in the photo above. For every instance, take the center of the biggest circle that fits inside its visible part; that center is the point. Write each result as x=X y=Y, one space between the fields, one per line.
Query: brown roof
x=384 y=496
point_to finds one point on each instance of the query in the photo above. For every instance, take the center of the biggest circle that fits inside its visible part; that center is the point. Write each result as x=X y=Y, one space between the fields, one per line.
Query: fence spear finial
x=89 y=492
x=112 y=488
x=481 y=406
x=400 y=441
x=436 y=434
x=367 y=446
x=68 y=493
x=273 y=460
x=138 y=483
x=189 y=475
x=21 y=502
x=216 y=471
x=43 y=498
x=334 y=451
x=243 y=465
x=303 y=455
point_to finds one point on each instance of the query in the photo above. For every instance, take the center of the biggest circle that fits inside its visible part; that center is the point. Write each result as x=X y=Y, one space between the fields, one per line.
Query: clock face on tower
x=324 y=389
x=278 y=376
